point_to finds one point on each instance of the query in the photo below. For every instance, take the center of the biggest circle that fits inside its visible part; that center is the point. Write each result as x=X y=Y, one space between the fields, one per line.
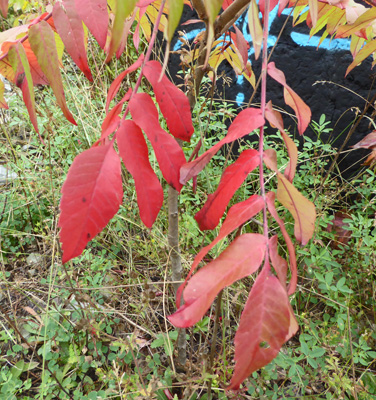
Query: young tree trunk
x=224 y=21
x=175 y=260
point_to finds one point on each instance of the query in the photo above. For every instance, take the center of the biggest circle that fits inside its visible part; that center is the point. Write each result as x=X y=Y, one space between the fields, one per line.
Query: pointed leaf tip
x=267 y=322
x=69 y=26
x=302 y=111
x=172 y=101
x=241 y=258
x=169 y=155
x=42 y=42
x=134 y=152
x=234 y=175
x=302 y=210
x=91 y=196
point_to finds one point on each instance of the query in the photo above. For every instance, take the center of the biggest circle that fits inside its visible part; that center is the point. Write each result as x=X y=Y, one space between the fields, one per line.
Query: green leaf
x=317 y=352
x=174 y=14
x=17 y=370
x=123 y=10
x=42 y=42
x=3 y=103
x=20 y=64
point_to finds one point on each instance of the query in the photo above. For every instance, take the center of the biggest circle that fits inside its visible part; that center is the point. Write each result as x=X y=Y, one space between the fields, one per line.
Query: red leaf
x=237 y=215
x=112 y=121
x=69 y=27
x=247 y=121
x=4 y=7
x=275 y=119
x=301 y=109
x=302 y=209
x=264 y=327
x=278 y=262
x=272 y=5
x=242 y=45
x=242 y=258
x=270 y=159
x=18 y=59
x=115 y=85
x=234 y=175
x=144 y=3
x=134 y=152
x=172 y=101
x=226 y=3
x=369 y=142
x=42 y=42
x=127 y=26
x=95 y=16
x=91 y=196
x=169 y=154
x=270 y=199
x=282 y=5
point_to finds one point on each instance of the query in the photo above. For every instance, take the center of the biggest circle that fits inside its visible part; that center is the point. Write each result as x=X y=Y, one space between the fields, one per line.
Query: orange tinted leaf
x=367 y=143
x=313 y=11
x=241 y=258
x=42 y=41
x=301 y=109
x=278 y=262
x=69 y=27
x=366 y=51
x=270 y=199
x=275 y=119
x=3 y=103
x=246 y=121
x=361 y=22
x=123 y=10
x=7 y=71
x=302 y=210
x=264 y=327
x=242 y=45
x=17 y=57
x=236 y=216
x=95 y=16
x=356 y=45
x=255 y=28
x=371 y=159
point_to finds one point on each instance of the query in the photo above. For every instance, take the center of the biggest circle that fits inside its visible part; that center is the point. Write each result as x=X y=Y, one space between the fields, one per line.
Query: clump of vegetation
x=97 y=326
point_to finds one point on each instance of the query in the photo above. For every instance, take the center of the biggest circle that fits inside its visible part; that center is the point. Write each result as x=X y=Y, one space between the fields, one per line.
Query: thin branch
x=263 y=106
x=229 y=16
x=199 y=6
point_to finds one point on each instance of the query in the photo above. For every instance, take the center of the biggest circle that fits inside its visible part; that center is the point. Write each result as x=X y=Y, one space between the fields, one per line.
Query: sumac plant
x=31 y=55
